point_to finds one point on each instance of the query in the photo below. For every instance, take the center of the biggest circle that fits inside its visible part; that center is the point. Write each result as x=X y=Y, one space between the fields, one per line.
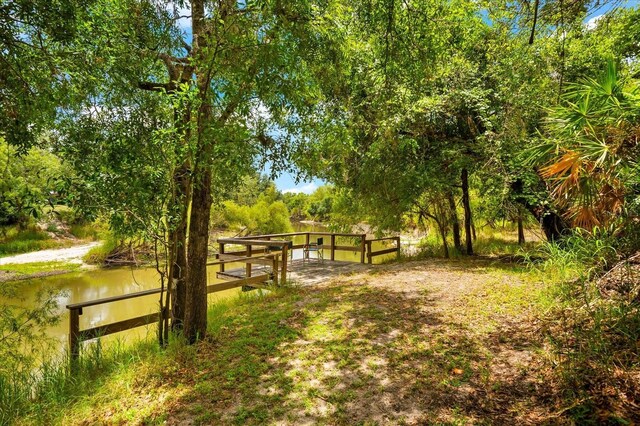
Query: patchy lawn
x=429 y=342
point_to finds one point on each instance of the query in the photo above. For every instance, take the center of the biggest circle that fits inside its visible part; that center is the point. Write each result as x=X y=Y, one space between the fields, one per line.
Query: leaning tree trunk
x=467 y=210
x=178 y=234
x=455 y=222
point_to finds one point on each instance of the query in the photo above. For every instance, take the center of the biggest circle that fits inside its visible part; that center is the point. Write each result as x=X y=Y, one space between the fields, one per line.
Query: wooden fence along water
x=271 y=255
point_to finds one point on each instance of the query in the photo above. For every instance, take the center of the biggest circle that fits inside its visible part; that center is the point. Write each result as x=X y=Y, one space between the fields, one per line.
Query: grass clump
x=24 y=241
x=97 y=255
x=88 y=231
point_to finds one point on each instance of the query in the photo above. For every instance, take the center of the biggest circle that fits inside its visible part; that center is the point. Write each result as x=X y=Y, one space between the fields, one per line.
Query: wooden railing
x=371 y=254
x=77 y=336
x=267 y=240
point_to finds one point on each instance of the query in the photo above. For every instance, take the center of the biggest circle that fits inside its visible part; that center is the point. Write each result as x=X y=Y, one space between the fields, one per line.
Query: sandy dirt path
x=70 y=254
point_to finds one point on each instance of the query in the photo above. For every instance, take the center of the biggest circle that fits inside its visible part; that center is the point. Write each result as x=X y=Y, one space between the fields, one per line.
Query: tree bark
x=455 y=222
x=179 y=266
x=195 y=319
x=467 y=211
x=473 y=229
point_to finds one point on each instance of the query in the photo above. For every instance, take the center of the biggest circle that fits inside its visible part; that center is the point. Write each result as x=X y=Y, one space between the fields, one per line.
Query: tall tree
x=234 y=85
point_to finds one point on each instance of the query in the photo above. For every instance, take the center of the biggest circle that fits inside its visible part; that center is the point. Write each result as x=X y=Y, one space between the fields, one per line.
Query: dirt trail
x=416 y=343
x=70 y=254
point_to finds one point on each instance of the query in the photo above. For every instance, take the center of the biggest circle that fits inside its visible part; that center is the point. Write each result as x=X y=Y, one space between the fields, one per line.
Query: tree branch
x=156 y=87
x=535 y=21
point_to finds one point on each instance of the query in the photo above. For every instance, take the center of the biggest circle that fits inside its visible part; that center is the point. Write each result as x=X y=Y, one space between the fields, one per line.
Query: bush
x=264 y=217
x=594 y=329
x=97 y=255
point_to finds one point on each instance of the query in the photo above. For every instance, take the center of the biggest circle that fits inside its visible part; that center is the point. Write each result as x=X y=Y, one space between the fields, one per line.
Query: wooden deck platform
x=310 y=272
x=313 y=272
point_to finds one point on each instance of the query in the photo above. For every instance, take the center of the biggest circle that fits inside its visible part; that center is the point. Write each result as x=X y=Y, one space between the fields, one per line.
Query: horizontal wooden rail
x=233 y=258
x=241 y=241
x=294 y=234
x=229 y=258
x=383 y=239
x=115 y=327
x=88 y=303
x=286 y=234
x=385 y=251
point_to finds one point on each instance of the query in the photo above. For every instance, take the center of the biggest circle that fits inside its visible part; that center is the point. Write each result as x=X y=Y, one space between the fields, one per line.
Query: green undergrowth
x=14 y=241
x=488 y=242
x=592 y=328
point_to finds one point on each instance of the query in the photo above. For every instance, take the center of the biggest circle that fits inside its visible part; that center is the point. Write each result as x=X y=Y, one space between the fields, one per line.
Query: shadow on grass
x=477 y=264
x=352 y=354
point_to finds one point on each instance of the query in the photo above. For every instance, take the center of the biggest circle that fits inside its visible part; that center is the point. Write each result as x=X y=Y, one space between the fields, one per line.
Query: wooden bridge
x=266 y=260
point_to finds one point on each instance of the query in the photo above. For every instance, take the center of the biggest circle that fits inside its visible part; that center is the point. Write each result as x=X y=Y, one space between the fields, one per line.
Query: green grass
x=107 y=374
x=39 y=267
x=334 y=354
x=89 y=231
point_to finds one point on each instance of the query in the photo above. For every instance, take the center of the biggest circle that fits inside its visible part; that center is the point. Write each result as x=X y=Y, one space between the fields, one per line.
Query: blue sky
x=286 y=183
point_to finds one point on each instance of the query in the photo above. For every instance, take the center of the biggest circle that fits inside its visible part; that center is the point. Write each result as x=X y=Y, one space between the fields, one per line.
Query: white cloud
x=184 y=12
x=593 y=22
x=305 y=189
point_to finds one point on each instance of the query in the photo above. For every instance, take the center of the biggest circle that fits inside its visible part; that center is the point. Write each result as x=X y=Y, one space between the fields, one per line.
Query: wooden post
x=74 y=333
x=274 y=269
x=221 y=251
x=398 y=244
x=363 y=247
x=248 y=264
x=333 y=246
x=369 y=256
x=308 y=237
x=285 y=249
